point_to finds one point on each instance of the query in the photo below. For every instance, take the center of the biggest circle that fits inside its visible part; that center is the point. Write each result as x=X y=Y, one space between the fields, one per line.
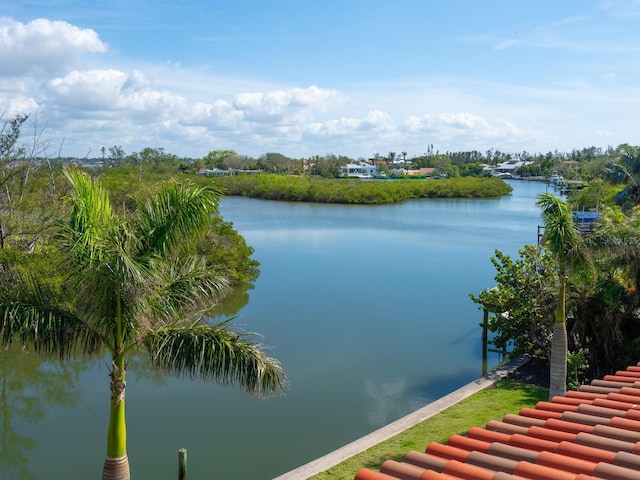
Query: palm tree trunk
x=558 y=362
x=116 y=465
x=116 y=468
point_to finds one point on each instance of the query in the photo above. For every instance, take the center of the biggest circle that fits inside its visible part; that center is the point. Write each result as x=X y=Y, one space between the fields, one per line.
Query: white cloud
x=376 y=120
x=16 y=106
x=43 y=46
x=88 y=90
x=285 y=105
x=99 y=92
x=461 y=127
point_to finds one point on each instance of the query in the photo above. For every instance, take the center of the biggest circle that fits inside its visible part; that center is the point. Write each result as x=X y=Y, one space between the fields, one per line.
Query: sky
x=303 y=78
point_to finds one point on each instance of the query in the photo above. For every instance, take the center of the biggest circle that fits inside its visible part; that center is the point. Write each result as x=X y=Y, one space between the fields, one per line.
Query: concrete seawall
x=341 y=454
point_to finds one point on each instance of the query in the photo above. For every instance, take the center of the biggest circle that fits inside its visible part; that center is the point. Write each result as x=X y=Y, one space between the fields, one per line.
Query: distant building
x=424 y=171
x=217 y=172
x=508 y=168
x=359 y=170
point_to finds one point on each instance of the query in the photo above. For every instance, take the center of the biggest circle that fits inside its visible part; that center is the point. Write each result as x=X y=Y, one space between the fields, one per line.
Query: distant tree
x=279 y=163
x=594 y=194
x=116 y=155
x=328 y=166
x=198 y=164
x=218 y=158
x=28 y=192
x=474 y=169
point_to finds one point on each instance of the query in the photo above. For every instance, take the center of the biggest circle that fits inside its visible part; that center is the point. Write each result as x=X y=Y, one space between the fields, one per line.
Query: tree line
x=586 y=163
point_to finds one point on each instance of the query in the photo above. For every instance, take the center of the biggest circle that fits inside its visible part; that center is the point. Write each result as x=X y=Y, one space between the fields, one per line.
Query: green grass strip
x=475 y=411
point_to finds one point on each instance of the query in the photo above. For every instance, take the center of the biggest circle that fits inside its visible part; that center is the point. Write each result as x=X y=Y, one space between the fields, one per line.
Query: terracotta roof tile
x=590 y=433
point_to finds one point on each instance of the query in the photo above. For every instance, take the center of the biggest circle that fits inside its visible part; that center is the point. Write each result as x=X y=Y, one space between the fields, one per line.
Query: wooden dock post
x=485 y=342
x=182 y=464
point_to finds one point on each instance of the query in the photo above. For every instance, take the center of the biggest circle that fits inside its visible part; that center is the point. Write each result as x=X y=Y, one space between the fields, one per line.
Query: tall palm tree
x=135 y=290
x=563 y=240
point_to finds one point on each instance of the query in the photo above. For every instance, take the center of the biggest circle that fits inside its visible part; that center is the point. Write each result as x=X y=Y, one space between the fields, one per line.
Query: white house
x=509 y=167
x=360 y=170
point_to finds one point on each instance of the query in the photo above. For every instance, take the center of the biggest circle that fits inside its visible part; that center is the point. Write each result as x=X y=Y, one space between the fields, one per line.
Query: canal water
x=367 y=308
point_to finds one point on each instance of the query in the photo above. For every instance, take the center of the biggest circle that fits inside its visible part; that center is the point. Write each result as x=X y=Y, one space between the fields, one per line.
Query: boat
x=555 y=179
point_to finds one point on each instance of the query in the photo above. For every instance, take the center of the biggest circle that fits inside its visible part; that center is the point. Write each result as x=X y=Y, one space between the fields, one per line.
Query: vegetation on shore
x=475 y=411
x=581 y=283
x=355 y=191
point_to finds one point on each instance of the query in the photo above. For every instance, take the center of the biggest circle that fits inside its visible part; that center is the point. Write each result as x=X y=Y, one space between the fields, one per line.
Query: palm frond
x=617 y=241
x=617 y=173
x=182 y=286
x=630 y=157
x=559 y=227
x=28 y=315
x=176 y=211
x=107 y=276
x=561 y=237
x=90 y=218
x=215 y=352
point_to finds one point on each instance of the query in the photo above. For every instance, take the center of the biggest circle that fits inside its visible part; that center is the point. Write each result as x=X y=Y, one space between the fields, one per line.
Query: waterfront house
x=508 y=168
x=421 y=171
x=358 y=170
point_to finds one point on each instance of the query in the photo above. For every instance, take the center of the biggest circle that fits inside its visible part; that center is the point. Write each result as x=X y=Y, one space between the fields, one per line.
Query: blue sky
x=350 y=77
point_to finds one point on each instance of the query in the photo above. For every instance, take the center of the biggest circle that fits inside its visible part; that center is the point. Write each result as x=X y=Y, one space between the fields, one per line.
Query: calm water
x=367 y=308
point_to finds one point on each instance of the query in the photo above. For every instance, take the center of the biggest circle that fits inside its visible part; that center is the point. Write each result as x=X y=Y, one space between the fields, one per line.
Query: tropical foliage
x=138 y=286
x=601 y=311
x=522 y=322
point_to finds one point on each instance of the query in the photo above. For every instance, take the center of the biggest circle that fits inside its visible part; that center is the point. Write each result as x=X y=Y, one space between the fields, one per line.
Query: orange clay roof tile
x=590 y=433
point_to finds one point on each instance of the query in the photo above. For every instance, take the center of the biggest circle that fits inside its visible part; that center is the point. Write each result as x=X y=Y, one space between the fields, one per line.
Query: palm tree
x=625 y=169
x=136 y=290
x=617 y=238
x=615 y=244
x=563 y=240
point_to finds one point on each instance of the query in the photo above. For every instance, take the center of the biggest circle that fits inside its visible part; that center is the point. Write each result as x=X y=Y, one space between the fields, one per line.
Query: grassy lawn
x=475 y=411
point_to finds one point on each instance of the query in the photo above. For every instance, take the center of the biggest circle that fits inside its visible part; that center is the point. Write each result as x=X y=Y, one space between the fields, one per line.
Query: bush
x=355 y=191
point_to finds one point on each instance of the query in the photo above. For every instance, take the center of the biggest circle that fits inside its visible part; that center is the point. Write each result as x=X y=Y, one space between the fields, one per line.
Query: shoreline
x=384 y=433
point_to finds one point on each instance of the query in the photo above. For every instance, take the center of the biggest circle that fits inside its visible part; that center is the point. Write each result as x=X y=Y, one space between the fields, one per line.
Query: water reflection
x=434 y=386
x=383 y=400
x=29 y=385
x=234 y=302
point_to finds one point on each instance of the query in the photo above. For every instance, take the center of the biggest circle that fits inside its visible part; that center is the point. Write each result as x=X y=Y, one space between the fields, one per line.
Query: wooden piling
x=182 y=464
x=485 y=342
